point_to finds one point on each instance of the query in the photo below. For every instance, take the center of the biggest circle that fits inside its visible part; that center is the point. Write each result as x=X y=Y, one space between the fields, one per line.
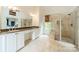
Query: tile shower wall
x=67 y=26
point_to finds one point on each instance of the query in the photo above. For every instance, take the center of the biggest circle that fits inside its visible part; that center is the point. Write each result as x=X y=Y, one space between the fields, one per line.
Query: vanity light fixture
x=13 y=10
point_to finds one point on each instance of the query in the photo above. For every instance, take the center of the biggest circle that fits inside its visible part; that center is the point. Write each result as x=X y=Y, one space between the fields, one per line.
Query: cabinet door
x=11 y=42
x=20 y=40
x=2 y=43
x=35 y=34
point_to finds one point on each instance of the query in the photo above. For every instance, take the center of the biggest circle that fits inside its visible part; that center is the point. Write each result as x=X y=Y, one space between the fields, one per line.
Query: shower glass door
x=67 y=29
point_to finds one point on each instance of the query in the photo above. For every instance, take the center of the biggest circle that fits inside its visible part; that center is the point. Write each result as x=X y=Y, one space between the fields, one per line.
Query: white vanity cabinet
x=2 y=43
x=19 y=40
x=14 y=41
x=10 y=42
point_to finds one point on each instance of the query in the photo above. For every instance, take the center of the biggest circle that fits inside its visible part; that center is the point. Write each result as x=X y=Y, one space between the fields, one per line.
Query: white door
x=20 y=40
x=11 y=42
x=2 y=43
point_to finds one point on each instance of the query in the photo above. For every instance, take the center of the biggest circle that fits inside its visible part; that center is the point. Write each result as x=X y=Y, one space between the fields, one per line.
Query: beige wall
x=30 y=11
x=0 y=10
x=36 y=16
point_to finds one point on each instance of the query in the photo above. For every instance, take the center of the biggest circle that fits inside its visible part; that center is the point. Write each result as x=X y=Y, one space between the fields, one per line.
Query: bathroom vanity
x=12 y=41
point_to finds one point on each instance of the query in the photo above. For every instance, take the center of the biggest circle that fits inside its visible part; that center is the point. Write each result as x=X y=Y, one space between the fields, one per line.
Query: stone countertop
x=13 y=30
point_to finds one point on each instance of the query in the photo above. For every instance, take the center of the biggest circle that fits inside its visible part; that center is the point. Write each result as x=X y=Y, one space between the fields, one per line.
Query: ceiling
x=57 y=9
x=48 y=9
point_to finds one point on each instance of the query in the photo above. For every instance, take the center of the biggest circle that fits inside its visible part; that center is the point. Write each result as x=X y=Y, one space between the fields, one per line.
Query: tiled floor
x=68 y=40
x=42 y=44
